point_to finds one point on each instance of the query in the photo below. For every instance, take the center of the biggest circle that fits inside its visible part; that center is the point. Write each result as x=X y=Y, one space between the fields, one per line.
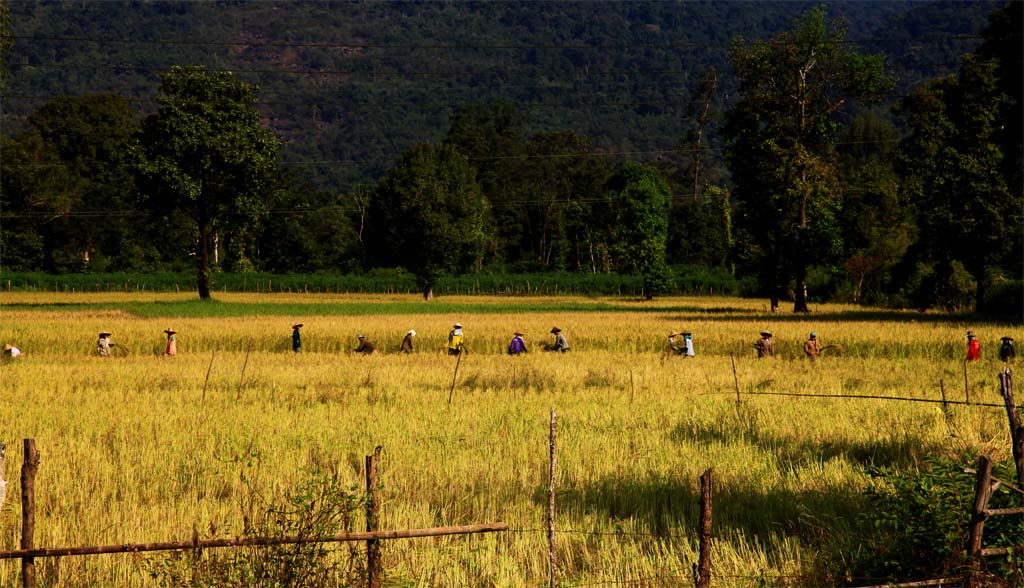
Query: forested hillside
x=523 y=119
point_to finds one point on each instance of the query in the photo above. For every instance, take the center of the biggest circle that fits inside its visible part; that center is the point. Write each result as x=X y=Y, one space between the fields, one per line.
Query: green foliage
x=641 y=199
x=205 y=154
x=319 y=506
x=428 y=214
x=918 y=524
x=782 y=131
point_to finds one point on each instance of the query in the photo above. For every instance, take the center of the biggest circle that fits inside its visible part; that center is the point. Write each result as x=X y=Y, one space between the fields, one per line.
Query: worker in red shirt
x=973 y=346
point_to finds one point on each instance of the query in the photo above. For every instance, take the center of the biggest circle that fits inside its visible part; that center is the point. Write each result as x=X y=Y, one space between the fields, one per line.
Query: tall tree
x=642 y=198
x=428 y=214
x=793 y=92
x=205 y=153
x=953 y=173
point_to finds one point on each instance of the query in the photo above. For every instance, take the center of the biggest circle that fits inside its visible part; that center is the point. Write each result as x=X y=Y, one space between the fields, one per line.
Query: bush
x=919 y=522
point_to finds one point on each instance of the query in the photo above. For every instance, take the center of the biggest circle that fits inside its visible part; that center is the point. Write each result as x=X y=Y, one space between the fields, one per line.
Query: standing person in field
x=812 y=348
x=561 y=344
x=296 y=338
x=688 y=344
x=172 y=345
x=1006 y=351
x=765 y=346
x=517 y=345
x=103 y=344
x=456 y=340
x=407 y=342
x=973 y=347
x=365 y=346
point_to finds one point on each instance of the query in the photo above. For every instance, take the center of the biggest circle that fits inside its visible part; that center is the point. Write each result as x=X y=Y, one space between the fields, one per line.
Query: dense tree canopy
x=205 y=153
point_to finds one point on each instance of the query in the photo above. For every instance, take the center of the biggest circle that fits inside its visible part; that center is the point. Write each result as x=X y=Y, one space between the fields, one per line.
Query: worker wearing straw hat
x=172 y=345
x=407 y=341
x=517 y=346
x=561 y=344
x=672 y=346
x=296 y=338
x=765 y=346
x=1006 y=351
x=365 y=346
x=973 y=347
x=688 y=344
x=11 y=352
x=456 y=340
x=103 y=344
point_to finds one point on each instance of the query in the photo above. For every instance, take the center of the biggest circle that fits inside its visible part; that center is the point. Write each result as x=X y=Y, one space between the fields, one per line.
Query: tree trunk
x=979 y=293
x=428 y=292
x=203 y=276
x=800 y=299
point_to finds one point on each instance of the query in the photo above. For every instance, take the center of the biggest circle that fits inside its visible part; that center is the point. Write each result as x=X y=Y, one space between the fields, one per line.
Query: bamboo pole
x=454 y=376
x=942 y=388
x=967 y=387
x=252 y=541
x=374 y=564
x=552 y=556
x=28 y=511
x=735 y=378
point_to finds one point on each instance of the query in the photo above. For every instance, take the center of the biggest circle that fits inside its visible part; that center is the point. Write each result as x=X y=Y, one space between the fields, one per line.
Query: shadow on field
x=670 y=507
x=796 y=452
x=855 y=316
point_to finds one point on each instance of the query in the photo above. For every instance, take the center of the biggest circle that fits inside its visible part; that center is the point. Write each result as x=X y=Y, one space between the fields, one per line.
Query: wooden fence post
x=942 y=387
x=552 y=559
x=982 y=489
x=704 y=561
x=241 y=379
x=735 y=378
x=967 y=386
x=28 y=511
x=374 y=565
x=1016 y=427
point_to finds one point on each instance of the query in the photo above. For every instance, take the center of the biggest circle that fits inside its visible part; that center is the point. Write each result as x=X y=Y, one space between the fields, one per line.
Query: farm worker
x=364 y=345
x=11 y=352
x=973 y=347
x=812 y=349
x=407 y=342
x=765 y=346
x=517 y=345
x=1006 y=350
x=688 y=344
x=561 y=344
x=296 y=338
x=672 y=346
x=172 y=345
x=103 y=344
x=456 y=340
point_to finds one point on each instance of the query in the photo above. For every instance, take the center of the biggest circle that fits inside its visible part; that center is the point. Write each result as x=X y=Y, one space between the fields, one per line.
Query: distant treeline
x=690 y=281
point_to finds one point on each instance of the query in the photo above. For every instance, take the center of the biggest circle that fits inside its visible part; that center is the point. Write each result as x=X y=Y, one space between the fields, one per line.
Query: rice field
x=140 y=447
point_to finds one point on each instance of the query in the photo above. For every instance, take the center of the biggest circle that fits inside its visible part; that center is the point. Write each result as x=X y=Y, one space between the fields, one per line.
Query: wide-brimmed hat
x=766 y=333
x=360 y=336
x=297 y=326
x=170 y=332
x=104 y=333
x=411 y=332
x=8 y=346
x=1006 y=338
x=673 y=334
x=686 y=334
x=970 y=334
x=813 y=334
x=458 y=325
x=517 y=334
x=556 y=330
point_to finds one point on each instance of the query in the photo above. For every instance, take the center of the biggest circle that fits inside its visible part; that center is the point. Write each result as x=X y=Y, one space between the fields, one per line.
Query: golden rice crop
x=135 y=450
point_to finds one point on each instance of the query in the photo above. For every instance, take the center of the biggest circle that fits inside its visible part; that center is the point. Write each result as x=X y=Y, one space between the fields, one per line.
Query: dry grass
x=133 y=452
